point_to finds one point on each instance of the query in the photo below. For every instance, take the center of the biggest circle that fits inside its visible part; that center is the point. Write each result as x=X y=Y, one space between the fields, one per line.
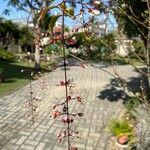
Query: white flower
x=45 y=41
x=96 y=12
x=123 y=5
x=96 y=2
x=81 y=16
x=28 y=53
x=111 y=11
x=37 y=97
x=31 y=73
x=138 y=94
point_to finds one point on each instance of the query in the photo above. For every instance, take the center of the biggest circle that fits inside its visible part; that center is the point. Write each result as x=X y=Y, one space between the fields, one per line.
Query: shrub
x=132 y=103
x=118 y=127
x=139 y=49
x=4 y=54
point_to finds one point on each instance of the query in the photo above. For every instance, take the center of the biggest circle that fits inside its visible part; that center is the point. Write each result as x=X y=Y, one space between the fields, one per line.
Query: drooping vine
x=61 y=110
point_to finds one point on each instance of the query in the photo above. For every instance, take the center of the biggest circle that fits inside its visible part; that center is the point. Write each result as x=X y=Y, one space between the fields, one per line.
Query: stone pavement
x=17 y=133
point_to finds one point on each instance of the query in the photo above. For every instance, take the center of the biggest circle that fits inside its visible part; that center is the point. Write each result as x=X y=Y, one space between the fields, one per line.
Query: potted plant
x=122 y=132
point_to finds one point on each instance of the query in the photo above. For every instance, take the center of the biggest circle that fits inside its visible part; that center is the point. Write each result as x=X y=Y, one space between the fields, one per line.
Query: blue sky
x=14 y=14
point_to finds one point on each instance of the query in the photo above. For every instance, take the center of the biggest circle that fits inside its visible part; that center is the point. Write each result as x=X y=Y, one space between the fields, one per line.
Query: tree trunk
x=37 y=58
x=37 y=46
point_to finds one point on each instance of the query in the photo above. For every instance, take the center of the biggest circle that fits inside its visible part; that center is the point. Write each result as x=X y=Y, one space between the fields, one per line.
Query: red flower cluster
x=62 y=83
x=66 y=133
x=81 y=11
x=83 y=65
x=55 y=114
x=73 y=148
x=78 y=98
x=67 y=120
x=96 y=2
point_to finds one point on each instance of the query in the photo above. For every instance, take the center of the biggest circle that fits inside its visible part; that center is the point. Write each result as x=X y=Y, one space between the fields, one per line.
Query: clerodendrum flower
x=55 y=114
x=94 y=12
x=96 y=2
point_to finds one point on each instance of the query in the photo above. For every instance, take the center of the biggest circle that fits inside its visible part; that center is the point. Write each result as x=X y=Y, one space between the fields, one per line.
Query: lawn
x=14 y=78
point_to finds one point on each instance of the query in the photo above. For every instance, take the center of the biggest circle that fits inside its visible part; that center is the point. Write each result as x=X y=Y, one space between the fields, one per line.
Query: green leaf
x=52 y=22
x=70 y=11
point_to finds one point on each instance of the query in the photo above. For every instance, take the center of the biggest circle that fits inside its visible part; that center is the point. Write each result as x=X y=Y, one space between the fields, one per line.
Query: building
x=124 y=46
x=99 y=28
x=57 y=33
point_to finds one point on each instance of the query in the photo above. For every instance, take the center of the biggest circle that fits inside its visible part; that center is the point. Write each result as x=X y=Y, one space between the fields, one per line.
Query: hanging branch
x=124 y=83
x=145 y=100
x=132 y=18
x=31 y=92
x=144 y=95
x=130 y=60
x=63 y=108
x=30 y=103
x=65 y=75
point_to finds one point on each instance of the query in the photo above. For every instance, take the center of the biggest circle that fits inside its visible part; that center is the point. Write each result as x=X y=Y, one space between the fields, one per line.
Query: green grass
x=138 y=63
x=14 y=78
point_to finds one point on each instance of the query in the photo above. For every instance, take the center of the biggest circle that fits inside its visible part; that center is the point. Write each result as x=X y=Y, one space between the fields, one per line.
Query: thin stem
x=83 y=12
x=31 y=93
x=148 y=44
x=65 y=73
x=144 y=94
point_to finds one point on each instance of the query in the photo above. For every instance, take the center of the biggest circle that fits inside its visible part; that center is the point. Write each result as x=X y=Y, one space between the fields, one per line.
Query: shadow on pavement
x=115 y=91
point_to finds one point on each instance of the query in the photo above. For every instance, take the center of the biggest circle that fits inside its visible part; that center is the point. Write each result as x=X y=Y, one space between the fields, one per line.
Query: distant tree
x=139 y=47
x=132 y=17
x=86 y=39
x=38 y=10
x=109 y=39
x=9 y=33
x=26 y=38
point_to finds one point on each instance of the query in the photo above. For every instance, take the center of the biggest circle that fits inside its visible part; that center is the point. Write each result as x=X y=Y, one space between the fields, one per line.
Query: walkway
x=17 y=133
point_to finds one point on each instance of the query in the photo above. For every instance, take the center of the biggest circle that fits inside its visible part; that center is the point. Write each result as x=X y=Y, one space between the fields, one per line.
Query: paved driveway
x=103 y=100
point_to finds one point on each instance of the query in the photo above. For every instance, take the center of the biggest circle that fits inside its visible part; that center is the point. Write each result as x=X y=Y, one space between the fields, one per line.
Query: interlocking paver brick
x=41 y=146
x=21 y=140
x=11 y=147
x=31 y=142
x=16 y=131
x=26 y=147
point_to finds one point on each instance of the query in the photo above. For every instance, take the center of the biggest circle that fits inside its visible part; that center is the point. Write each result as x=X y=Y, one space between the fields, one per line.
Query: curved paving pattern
x=95 y=85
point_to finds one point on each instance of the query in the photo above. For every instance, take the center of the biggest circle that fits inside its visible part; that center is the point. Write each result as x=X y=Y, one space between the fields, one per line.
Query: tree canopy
x=132 y=17
x=11 y=33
